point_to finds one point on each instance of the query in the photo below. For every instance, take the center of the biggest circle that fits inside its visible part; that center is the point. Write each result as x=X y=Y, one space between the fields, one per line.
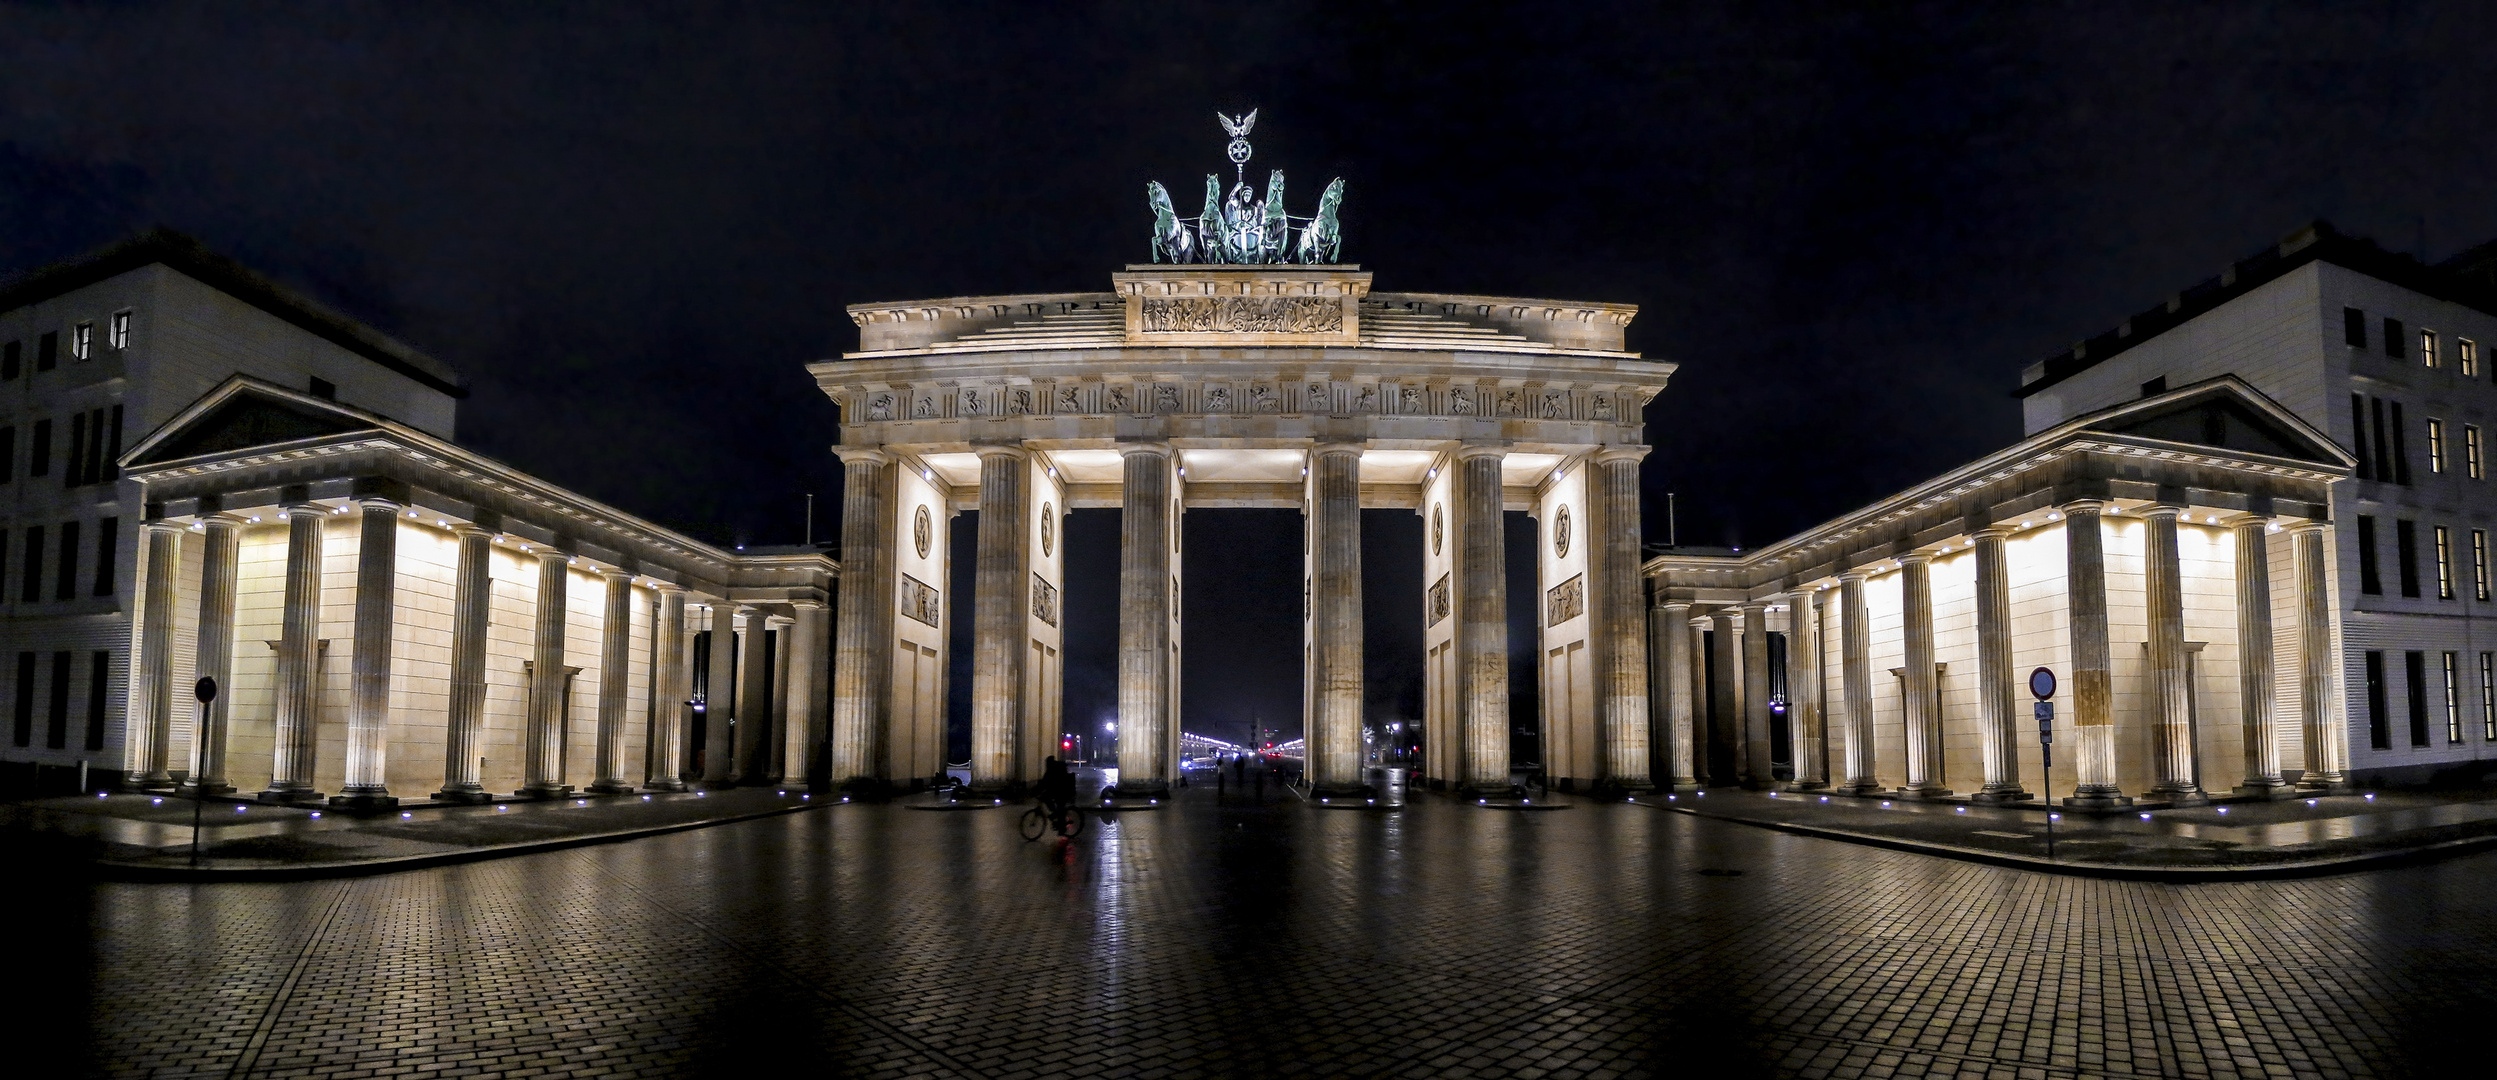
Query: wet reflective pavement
x=1262 y=940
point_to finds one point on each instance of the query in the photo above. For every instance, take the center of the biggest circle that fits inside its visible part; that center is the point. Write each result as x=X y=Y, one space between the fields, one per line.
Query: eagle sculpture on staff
x=1244 y=228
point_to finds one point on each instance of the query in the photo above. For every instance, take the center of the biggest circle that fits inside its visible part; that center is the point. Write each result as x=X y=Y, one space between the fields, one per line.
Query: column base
x=1807 y=785
x=609 y=787
x=2181 y=795
x=2011 y=794
x=1683 y=784
x=544 y=791
x=1862 y=789
x=153 y=785
x=211 y=787
x=2325 y=784
x=1930 y=791
x=364 y=800
x=473 y=796
x=664 y=786
x=2274 y=789
x=293 y=797
x=2107 y=798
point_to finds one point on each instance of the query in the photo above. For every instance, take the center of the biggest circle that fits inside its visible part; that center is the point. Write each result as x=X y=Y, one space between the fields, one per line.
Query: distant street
x=1277 y=940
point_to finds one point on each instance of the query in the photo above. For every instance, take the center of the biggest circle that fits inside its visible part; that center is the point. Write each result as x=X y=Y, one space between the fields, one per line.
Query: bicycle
x=1036 y=821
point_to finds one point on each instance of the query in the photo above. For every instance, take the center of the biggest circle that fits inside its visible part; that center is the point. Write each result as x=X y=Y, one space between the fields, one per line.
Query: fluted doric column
x=367 y=783
x=1613 y=607
x=2171 y=686
x=671 y=683
x=1919 y=693
x=2258 y=711
x=2319 y=702
x=1997 y=722
x=754 y=698
x=615 y=659
x=806 y=690
x=1334 y=746
x=2093 y=687
x=1148 y=531
x=297 y=746
x=218 y=567
x=1723 y=668
x=472 y=605
x=862 y=673
x=719 y=698
x=1803 y=689
x=1000 y=616
x=1855 y=632
x=1482 y=636
x=777 y=769
x=542 y=751
x=1759 y=757
x=1670 y=625
x=151 y=720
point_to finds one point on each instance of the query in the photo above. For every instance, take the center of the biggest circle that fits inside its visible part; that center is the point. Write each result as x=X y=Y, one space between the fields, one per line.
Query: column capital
x=2239 y=521
x=2307 y=525
x=466 y=529
x=162 y=525
x=1914 y=558
x=1015 y=450
x=1857 y=574
x=2082 y=506
x=863 y=455
x=1338 y=446
x=370 y=503
x=808 y=605
x=1997 y=531
x=2160 y=510
x=777 y=622
x=664 y=587
x=1752 y=607
x=1631 y=452
x=225 y=518
x=615 y=574
x=1474 y=448
x=1154 y=447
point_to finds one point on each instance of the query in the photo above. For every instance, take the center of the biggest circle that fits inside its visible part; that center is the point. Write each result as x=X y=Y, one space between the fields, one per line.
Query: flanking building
x=214 y=478
x=2389 y=356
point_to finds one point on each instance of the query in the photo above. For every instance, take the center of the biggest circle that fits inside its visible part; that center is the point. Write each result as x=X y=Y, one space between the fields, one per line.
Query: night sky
x=631 y=227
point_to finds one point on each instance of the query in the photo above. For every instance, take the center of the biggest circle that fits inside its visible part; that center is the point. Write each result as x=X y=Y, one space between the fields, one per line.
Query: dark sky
x=630 y=226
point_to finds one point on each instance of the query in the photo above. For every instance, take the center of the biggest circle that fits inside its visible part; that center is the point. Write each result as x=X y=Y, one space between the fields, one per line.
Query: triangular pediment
x=241 y=414
x=2223 y=414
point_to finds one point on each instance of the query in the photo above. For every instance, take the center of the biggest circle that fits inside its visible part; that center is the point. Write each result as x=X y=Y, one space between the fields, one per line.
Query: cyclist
x=1056 y=790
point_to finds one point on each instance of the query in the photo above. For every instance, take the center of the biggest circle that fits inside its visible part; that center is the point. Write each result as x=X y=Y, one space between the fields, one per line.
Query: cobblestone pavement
x=1278 y=940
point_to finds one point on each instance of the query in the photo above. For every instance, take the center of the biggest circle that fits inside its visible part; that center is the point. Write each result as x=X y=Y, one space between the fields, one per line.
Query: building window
x=107 y=544
x=39 y=456
x=2473 y=465
x=82 y=341
x=30 y=578
x=2405 y=554
x=2379 y=731
x=48 y=351
x=2354 y=327
x=2155 y=387
x=65 y=571
x=8 y=454
x=2401 y=453
x=2427 y=348
x=2384 y=448
x=120 y=332
x=24 y=729
x=2444 y=563
x=2393 y=336
x=99 y=678
x=10 y=358
x=2436 y=445
x=2415 y=671
x=2453 y=703
x=2370 y=576
x=56 y=709
x=2358 y=437
x=73 y=471
x=2488 y=696
x=2479 y=564
x=324 y=389
x=2467 y=357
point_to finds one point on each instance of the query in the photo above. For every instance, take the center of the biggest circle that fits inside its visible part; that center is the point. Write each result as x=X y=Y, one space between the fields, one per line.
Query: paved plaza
x=1238 y=939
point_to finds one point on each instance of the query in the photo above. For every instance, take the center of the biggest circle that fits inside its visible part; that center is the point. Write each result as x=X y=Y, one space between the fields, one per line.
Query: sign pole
x=2042 y=684
x=205 y=691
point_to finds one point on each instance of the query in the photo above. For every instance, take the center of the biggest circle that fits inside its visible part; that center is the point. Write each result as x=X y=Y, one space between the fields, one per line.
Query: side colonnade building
x=2169 y=560
x=388 y=615
x=1225 y=385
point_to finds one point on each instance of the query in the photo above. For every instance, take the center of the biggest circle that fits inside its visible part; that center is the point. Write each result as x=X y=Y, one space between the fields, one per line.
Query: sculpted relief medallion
x=922 y=531
x=1439 y=528
x=1048 y=529
x=1560 y=532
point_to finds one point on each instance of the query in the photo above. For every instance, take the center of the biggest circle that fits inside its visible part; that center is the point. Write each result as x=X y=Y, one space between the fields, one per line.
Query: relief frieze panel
x=1242 y=315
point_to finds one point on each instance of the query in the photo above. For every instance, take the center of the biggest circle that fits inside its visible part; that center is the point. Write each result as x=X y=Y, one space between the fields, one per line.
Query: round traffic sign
x=206 y=691
x=2042 y=683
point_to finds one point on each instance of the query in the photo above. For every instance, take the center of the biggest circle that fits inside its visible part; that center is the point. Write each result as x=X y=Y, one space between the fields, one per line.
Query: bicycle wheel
x=1035 y=822
x=1074 y=822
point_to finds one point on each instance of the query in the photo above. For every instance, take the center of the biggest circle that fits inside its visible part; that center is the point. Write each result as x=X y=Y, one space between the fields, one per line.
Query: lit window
x=2427 y=347
x=81 y=341
x=2467 y=355
x=2472 y=463
x=2444 y=563
x=2479 y=563
x=2488 y=696
x=2436 y=446
x=2453 y=707
x=119 y=334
